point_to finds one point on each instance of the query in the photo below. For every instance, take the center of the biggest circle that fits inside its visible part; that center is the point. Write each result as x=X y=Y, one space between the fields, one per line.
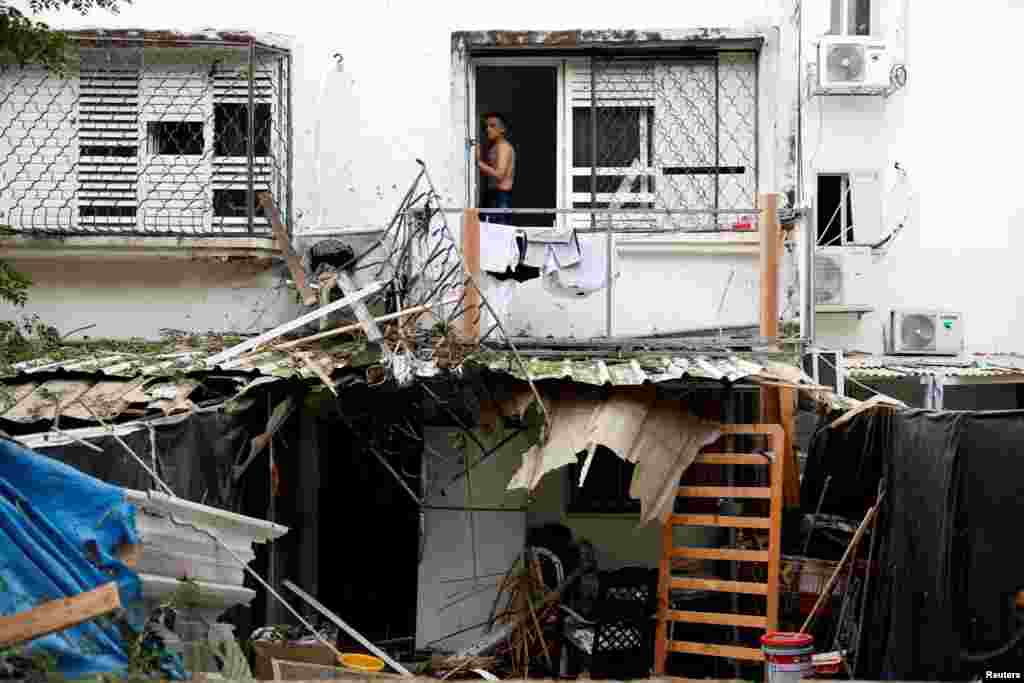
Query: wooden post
x=771 y=244
x=778 y=405
x=284 y=245
x=471 y=253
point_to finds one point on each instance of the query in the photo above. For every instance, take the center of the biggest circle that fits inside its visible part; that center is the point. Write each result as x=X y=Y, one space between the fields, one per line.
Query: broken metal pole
x=262 y=339
x=336 y=620
x=415 y=310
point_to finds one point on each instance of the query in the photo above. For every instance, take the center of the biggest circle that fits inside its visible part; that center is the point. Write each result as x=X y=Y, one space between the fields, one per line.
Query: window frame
x=847 y=221
x=564 y=190
x=842 y=10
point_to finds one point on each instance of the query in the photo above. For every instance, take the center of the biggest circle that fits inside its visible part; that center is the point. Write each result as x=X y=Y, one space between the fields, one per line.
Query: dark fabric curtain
x=944 y=605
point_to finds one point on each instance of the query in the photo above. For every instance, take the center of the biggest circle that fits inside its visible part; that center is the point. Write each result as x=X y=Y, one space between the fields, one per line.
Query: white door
x=465 y=553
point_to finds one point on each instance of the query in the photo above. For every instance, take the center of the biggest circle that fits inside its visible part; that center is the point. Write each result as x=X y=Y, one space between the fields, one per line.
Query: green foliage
x=13 y=284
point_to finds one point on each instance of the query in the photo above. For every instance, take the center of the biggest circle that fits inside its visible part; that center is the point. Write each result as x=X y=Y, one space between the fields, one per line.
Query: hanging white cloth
x=588 y=275
x=498 y=250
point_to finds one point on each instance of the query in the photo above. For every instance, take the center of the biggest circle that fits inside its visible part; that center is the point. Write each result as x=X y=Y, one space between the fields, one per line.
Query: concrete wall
x=400 y=96
x=965 y=222
x=127 y=298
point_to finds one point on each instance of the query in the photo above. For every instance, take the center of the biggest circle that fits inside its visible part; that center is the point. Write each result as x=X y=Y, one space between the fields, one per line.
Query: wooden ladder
x=773 y=523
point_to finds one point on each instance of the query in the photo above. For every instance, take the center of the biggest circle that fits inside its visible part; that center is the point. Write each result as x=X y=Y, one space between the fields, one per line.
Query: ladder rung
x=713 y=650
x=725 y=492
x=696 y=584
x=722 y=520
x=720 y=618
x=721 y=554
x=732 y=459
x=768 y=429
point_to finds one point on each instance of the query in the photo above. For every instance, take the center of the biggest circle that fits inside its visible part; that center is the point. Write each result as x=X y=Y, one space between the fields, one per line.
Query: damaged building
x=692 y=388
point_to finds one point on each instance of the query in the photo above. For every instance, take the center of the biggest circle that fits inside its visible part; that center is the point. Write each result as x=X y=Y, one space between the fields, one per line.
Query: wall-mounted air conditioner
x=842 y=277
x=854 y=65
x=919 y=332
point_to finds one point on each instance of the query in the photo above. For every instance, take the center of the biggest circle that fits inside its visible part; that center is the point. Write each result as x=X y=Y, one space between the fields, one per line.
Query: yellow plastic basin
x=361 y=662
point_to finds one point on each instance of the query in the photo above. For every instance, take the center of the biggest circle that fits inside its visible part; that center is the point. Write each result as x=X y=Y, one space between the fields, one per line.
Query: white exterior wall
x=402 y=97
x=953 y=129
x=947 y=128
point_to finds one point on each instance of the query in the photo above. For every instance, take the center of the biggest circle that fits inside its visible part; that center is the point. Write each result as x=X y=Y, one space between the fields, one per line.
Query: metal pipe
x=250 y=140
x=718 y=146
x=617 y=210
x=593 y=141
x=807 y=302
x=289 y=212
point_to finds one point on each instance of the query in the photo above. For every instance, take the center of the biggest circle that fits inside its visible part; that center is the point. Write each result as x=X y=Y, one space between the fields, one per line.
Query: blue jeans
x=500 y=199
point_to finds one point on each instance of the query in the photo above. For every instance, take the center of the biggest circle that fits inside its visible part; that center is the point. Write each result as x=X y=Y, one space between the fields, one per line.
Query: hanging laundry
x=584 y=278
x=519 y=272
x=551 y=248
x=498 y=293
x=498 y=249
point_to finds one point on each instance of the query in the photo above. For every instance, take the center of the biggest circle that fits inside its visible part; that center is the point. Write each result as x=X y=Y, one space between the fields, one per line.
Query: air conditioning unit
x=841 y=276
x=926 y=333
x=853 y=65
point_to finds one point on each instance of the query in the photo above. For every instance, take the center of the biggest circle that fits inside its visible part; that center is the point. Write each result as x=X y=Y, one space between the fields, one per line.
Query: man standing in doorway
x=499 y=168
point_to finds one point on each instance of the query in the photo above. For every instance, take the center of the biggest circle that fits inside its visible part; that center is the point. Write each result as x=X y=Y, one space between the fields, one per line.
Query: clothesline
x=874 y=392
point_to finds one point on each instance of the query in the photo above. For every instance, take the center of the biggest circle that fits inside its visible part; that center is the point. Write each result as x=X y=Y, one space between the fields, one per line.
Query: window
x=231 y=129
x=624 y=146
x=835 y=210
x=674 y=135
x=850 y=18
x=175 y=137
x=232 y=204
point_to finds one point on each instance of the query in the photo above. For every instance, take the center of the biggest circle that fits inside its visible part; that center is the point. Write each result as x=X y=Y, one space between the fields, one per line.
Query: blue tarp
x=59 y=534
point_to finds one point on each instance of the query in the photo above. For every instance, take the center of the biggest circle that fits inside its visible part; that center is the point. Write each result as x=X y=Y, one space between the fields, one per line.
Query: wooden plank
x=285 y=246
x=732 y=459
x=719 y=618
x=771 y=248
x=664 y=584
x=766 y=429
x=725 y=492
x=714 y=650
x=730 y=521
x=57 y=615
x=791 y=471
x=777 y=475
x=720 y=586
x=471 y=254
x=721 y=554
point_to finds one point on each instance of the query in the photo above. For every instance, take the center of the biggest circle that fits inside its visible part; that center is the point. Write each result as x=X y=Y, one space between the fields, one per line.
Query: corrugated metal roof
x=163 y=364
x=642 y=368
x=888 y=367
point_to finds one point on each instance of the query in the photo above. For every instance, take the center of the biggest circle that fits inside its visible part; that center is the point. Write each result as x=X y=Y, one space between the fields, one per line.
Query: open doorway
x=527 y=97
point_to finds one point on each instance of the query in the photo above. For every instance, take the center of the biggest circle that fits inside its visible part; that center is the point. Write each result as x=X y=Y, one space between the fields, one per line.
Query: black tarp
x=947 y=548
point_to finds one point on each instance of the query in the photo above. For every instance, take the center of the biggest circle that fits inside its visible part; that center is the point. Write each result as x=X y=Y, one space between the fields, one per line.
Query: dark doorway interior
x=527 y=96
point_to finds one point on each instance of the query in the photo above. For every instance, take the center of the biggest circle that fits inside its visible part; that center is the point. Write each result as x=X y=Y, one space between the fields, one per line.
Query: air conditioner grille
x=828 y=280
x=917 y=332
x=846 y=63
